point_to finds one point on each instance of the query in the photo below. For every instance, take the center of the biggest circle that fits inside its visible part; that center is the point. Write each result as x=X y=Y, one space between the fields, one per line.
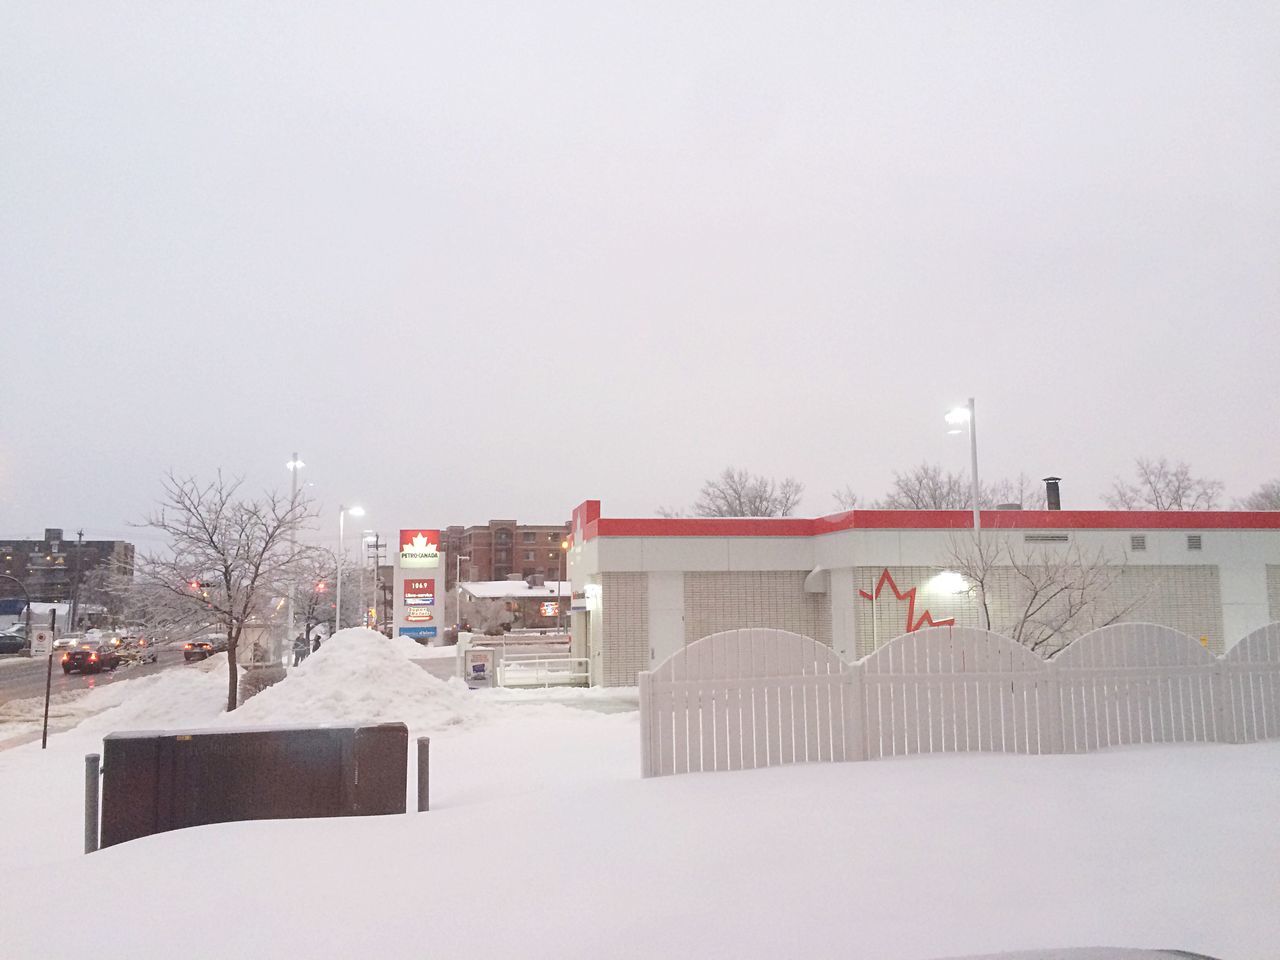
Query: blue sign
x=418 y=633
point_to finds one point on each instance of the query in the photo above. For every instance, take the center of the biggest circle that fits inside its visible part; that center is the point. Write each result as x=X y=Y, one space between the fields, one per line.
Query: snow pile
x=360 y=676
x=173 y=698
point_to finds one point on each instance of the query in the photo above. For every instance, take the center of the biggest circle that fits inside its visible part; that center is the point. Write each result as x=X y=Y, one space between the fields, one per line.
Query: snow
x=517 y=589
x=360 y=676
x=543 y=842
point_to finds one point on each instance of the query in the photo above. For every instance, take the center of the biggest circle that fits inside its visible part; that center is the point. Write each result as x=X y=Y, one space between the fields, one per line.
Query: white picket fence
x=761 y=697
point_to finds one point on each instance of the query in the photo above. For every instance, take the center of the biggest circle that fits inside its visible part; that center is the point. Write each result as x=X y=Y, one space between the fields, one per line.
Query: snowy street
x=22 y=677
x=540 y=825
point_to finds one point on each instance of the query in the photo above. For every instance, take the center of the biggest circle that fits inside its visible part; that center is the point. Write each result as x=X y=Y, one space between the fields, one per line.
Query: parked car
x=91 y=657
x=11 y=642
x=202 y=647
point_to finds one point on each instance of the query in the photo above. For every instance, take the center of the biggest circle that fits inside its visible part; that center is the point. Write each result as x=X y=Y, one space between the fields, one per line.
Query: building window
x=528 y=536
x=1138 y=541
x=528 y=554
x=1194 y=541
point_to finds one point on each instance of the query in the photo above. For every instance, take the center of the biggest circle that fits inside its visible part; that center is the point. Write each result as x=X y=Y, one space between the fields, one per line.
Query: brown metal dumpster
x=153 y=782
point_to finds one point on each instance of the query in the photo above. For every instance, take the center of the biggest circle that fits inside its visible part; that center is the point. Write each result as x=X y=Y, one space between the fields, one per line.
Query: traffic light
x=320 y=587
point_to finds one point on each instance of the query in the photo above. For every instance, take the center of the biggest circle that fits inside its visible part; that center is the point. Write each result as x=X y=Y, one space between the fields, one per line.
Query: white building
x=642 y=588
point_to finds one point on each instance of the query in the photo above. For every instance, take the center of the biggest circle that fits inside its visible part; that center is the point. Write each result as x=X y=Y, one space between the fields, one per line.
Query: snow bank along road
x=544 y=842
x=22 y=677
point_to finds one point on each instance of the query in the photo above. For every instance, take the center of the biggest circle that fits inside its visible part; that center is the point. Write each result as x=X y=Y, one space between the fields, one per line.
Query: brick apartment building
x=50 y=568
x=505 y=548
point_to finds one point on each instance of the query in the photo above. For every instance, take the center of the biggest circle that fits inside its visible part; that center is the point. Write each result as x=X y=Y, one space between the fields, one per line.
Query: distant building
x=51 y=568
x=533 y=606
x=505 y=549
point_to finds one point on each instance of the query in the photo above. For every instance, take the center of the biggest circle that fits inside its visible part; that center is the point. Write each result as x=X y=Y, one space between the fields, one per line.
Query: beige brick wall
x=624 y=599
x=771 y=598
x=1187 y=598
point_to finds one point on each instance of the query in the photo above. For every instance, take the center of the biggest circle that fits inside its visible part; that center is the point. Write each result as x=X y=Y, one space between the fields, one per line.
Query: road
x=21 y=678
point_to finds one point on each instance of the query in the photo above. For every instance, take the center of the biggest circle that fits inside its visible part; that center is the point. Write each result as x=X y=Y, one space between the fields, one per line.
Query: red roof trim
x=932 y=520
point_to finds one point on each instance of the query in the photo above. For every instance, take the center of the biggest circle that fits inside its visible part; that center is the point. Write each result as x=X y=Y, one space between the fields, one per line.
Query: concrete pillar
x=840 y=592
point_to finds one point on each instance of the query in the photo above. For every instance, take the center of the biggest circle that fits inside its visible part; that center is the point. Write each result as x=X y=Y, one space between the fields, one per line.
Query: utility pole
x=375 y=549
x=75 y=578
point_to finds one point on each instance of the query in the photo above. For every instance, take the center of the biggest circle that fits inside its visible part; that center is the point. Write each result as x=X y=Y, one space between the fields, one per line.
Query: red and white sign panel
x=550 y=608
x=419 y=598
x=419 y=548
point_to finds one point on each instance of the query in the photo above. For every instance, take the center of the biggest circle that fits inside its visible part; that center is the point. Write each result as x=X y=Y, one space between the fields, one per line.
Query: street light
x=293 y=466
x=342 y=516
x=956 y=419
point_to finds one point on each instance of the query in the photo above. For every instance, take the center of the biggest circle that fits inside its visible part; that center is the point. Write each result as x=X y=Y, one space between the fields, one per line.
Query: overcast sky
x=489 y=260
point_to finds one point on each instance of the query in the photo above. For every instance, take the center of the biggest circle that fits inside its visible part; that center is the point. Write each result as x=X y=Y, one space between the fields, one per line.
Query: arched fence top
x=749 y=652
x=951 y=650
x=1134 y=644
x=1260 y=646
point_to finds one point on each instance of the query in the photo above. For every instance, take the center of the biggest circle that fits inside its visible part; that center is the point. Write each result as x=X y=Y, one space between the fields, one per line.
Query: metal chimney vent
x=1052 y=493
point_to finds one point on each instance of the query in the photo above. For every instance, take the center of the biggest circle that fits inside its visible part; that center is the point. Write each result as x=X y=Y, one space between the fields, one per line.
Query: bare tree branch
x=1266 y=497
x=1161 y=485
x=228 y=555
x=738 y=493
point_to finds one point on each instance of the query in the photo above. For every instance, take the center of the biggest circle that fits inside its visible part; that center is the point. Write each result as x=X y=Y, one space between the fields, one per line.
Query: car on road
x=12 y=642
x=68 y=641
x=91 y=657
x=202 y=647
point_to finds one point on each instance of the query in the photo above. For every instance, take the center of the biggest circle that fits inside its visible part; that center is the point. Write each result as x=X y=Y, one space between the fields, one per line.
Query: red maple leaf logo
x=926 y=618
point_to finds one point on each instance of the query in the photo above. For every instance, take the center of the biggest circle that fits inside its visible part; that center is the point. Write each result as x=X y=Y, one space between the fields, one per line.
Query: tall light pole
x=457 y=594
x=342 y=517
x=955 y=419
x=293 y=466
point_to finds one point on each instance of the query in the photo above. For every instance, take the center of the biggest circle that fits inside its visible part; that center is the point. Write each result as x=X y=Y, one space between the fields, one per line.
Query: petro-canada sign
x=419 y=548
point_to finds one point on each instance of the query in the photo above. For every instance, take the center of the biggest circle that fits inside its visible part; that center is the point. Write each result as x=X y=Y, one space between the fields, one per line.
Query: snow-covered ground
x=543 y=842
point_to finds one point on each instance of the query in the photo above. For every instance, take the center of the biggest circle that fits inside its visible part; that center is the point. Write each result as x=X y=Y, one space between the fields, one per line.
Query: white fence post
x=647 y=721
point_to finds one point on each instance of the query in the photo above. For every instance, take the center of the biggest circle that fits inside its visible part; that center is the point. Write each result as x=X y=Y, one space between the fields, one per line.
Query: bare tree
x=314 y=579
x=1161 y=485
x=737 y=493
x=1041 y=597
x=1266 y=497
x=929 y=487
x=229 y=555
x=845 y=498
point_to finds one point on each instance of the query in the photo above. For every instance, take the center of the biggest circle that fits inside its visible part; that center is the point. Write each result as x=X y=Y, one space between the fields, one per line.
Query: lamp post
x=955 y=419
x=342 y=517
x=564 y=552
x=293 y=466
x=457 y=594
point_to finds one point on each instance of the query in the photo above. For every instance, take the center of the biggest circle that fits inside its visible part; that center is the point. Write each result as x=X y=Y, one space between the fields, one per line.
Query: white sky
x=632 y=244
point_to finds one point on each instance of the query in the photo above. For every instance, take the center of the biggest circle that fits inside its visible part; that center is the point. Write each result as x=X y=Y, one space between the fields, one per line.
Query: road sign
x=41 y=643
